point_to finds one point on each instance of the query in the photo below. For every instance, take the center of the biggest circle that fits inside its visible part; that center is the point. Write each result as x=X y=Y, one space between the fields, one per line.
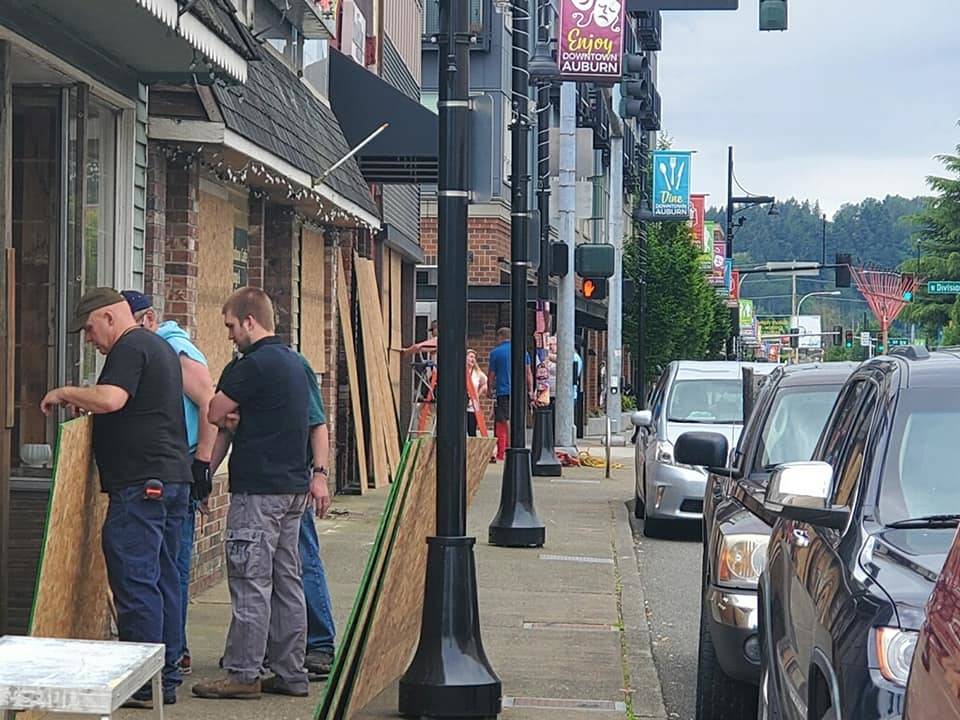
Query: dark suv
x=861 y=537
x=787 y=418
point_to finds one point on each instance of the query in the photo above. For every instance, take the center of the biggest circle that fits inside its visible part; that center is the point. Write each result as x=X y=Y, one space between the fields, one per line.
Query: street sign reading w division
x=943 y=287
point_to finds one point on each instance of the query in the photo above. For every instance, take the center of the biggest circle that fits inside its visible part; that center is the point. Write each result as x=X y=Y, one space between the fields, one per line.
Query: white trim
x=198 y=35
x=255 y=152
x=118 y=100
x=124 y=191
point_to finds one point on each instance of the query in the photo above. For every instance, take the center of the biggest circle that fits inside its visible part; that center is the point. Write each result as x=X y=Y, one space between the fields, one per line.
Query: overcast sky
x=853 y=101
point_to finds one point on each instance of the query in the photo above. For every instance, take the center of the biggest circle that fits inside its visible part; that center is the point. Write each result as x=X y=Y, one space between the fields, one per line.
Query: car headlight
x=665 y=452
x=895 y=652
x=741 y=558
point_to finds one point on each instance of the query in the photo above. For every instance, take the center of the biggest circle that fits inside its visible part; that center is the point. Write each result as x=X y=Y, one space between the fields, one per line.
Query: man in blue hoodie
x=201 y=435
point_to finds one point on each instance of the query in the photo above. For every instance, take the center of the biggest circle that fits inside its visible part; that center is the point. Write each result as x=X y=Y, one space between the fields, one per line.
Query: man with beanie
x=201 y=435
x=140 y=446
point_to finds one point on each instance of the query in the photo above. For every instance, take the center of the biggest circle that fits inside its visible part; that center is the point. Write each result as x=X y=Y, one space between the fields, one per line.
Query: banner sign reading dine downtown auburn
x=591 y=40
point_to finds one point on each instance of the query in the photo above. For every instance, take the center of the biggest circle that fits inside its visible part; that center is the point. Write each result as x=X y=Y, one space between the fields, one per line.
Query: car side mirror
x=704 y=449
x=641 y=418
x=800 y=491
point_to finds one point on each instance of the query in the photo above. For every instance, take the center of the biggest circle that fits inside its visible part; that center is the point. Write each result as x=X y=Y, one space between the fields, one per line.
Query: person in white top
x=479 y=380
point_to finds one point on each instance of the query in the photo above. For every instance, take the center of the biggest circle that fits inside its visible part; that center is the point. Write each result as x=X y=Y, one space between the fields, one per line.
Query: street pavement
x=564 y=626
x=670 y=573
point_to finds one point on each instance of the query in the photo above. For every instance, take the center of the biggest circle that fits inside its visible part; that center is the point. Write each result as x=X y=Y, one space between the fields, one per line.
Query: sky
x=853 y=101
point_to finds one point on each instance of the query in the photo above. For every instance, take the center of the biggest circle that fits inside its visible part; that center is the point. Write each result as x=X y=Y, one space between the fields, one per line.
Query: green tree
x=685 y=320
x=938 y=231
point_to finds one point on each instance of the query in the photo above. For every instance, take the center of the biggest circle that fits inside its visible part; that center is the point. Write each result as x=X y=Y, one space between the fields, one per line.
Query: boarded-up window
x=312 y=309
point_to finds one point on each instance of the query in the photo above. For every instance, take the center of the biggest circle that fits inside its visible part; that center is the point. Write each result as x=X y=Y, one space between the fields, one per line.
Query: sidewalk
x=563 y=626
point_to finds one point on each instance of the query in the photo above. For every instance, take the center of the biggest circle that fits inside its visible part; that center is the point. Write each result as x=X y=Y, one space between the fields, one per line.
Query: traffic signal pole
x=566 y=293
x=615 y=286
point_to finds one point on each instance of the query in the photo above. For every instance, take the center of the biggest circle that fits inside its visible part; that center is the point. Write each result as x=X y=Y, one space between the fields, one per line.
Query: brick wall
x=180 y=250
x=278 y=268
x=156 y=223
x=331 y=345
x=488 y=240
x=255 y=240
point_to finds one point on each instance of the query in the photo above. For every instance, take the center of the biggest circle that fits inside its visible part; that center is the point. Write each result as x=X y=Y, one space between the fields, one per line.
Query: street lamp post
x=798 y=305
x=450 y=676
x=516 y=523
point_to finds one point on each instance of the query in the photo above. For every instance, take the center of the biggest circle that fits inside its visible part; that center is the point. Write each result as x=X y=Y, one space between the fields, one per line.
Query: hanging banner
x=698 y=211
x=590 y=40
x=671 y=182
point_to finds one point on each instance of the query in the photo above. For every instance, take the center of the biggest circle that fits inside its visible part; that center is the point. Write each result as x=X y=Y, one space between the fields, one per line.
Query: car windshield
x=706 y=401
x=794 y=424
x=920 y=475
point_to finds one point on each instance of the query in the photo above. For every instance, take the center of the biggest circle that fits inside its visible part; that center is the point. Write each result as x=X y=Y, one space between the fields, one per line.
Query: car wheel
x=719 y=697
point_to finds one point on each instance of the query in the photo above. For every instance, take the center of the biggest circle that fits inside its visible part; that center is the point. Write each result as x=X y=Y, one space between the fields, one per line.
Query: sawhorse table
x=75 y=676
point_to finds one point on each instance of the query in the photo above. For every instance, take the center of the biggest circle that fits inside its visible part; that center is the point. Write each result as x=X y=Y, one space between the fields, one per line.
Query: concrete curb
x=644 y=680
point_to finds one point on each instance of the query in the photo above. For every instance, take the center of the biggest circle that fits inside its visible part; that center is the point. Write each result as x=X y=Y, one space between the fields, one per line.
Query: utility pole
x=566 y=296
x=450 y=676
x=615 y=286
x=729 y=227
x=544 y=456
x=516 y=523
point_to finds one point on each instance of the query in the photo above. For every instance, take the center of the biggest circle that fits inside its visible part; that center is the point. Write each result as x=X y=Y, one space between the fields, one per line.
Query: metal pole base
x=450 y=676
x=516 y=523
x=544 y=456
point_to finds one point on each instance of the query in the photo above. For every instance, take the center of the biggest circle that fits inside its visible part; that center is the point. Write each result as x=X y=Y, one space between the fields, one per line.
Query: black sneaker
x=143 y=698
x=317 y=664
x=275 y=686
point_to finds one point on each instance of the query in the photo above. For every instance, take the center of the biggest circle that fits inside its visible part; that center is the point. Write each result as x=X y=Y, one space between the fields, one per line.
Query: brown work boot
x=276 y=686
x=225 y=688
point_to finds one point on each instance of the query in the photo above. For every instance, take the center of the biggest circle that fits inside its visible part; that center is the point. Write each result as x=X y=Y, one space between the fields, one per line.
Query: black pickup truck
x=788 y=414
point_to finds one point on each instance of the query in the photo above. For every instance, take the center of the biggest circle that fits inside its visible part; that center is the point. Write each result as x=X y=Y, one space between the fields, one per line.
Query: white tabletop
x=83 y=676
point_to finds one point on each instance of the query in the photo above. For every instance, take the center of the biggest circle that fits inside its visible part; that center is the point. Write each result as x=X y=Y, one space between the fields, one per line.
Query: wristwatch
x=321 y=470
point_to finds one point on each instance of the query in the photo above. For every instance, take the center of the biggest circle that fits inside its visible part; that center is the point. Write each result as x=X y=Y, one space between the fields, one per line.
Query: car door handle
x=801 y=538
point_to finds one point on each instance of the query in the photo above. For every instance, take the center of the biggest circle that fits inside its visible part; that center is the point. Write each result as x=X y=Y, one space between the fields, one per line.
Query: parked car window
x=920 y=475
x=793 y=425
x=841 y=422
x=706 y=401
x=656 y=402
x=848 y=470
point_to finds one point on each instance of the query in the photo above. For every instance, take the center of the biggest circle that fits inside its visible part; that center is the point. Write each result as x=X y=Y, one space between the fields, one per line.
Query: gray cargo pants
x=266 y=591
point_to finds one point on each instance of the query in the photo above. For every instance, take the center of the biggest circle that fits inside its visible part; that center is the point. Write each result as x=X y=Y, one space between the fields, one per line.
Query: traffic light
x=848 y=340
x=795 y=338
x=594 y=288
x=838 y=335
x=773 y=14
x=842 y=271
x=635 y=86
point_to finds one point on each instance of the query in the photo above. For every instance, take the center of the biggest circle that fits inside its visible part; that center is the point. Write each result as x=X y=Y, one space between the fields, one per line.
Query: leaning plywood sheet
x=380 y=400
x=413 y=454
x=395 y=622
x=72 y=598
x=346 y=326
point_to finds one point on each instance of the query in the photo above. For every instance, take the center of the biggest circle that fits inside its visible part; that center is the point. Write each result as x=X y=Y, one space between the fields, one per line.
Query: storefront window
x=316 y=65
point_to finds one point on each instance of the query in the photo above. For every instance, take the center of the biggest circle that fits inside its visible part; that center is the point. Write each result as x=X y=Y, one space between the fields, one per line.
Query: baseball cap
x=137 y=300
x=93 y=299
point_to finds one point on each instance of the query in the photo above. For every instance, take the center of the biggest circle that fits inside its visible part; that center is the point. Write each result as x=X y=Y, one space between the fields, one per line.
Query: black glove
x=202 y=482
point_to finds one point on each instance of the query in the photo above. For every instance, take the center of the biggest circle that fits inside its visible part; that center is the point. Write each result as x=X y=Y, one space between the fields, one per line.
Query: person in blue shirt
x=498 y=379
x=201 y=435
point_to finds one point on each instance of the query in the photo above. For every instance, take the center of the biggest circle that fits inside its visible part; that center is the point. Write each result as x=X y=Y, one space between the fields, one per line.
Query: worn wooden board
x=214 y=280
x=381 y=405
x=72 y=598
x=394 y=626
x=353 y=377
x=312 y=303
x=414 y=452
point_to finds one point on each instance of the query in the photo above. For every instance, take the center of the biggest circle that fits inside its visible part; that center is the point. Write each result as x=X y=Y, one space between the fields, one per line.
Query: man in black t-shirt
x=269 y=485
x=140 y=446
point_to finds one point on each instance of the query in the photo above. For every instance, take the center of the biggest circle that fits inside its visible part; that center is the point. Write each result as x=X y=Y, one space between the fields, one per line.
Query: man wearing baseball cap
x=201 y=435
x=140 y=446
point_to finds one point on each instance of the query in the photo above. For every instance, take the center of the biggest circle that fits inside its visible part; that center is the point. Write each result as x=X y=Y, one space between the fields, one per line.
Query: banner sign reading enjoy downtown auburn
x=591 y=40
x=671 y=182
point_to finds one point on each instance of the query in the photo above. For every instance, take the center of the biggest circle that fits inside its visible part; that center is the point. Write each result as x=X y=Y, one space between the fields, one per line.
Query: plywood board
x=214 y=279
x=381 y=405
x=371 y=376
x=414 y=453
x=394 y=626
x=72 y=591
x=312 y=303
x=353 y=377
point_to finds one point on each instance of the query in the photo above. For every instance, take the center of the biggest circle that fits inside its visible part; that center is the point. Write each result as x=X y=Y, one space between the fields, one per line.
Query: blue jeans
x=184 y=560
x=320 y=629
x=141 y=541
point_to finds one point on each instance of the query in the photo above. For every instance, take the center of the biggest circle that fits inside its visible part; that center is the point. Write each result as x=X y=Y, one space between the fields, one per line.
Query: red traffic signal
x=594 y=288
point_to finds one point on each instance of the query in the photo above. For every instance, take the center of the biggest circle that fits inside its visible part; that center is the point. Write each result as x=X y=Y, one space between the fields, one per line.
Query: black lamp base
x=450 y=676
x=516 y=523
x=544 y=456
